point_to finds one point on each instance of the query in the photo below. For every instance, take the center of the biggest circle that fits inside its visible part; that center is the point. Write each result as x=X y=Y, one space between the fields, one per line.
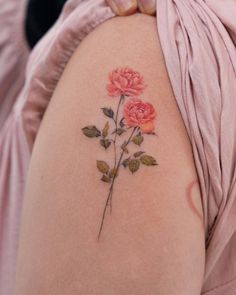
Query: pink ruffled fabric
x=197 y=39
x=14 y=152
x=13 y=54
x=201 y=61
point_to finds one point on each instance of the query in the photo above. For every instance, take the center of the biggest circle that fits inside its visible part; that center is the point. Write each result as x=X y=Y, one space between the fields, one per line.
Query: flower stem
x=116 y=117
x=106 y=204
x=109 y=197
x=117 y=167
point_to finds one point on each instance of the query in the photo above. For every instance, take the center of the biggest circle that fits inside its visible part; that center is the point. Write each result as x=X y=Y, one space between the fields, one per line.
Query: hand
x=127 y=7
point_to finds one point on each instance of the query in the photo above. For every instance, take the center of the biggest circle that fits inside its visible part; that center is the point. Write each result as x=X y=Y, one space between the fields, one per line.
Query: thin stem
x=105 y=207
x=112 y=186
x=116 y=117
x=121 y=156
x=122 y=97
x=125 y=146
x=109 y=197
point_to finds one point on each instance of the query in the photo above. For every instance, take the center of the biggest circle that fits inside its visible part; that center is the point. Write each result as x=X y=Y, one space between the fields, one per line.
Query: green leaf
x=105 y=129
x=125 y=163
x=124 y=148
x=138 y=139
x=137 y=154
x=134 y=165
x=113 y=172
x=121 y=122
x=108 y=112
x=105 y=178
x=119 y=131
x=105 y=143
x=91 y=131
x=148 y=160
x=102 y=166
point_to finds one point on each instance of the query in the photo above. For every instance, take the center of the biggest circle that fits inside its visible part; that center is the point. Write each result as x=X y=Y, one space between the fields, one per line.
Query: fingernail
x=123 y=7
x=147 y=6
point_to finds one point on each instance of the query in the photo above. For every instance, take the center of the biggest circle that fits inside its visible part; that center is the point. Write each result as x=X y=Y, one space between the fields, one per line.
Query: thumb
x=123 y=7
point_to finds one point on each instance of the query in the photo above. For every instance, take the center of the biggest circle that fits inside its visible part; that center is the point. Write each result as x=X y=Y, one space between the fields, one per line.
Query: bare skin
x=193 y=193
x=153 y=241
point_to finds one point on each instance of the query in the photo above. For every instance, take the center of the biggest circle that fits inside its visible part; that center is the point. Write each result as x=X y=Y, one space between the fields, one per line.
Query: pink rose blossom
x=139 y=113
x=125 y=81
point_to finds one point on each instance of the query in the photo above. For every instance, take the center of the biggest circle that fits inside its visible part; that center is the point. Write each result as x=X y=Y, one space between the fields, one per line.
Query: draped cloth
x=198 y=40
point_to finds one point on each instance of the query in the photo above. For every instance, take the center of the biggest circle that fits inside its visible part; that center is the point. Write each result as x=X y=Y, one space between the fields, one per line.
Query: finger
x=123 y=7
x=147 y=6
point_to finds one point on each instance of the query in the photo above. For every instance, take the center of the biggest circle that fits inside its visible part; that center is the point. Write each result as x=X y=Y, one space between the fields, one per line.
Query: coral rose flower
x=125 y=81
x=139 y=113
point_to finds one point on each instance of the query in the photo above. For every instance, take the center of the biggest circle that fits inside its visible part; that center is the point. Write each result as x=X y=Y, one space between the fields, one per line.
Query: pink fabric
x=197 y=38
x=13 y=54
x=14 y=152
x=201 y=61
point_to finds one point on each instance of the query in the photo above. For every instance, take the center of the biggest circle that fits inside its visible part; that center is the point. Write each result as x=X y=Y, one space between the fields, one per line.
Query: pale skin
x=192 y=193
x=153 y=242
x=133 y=116
x=127 y=7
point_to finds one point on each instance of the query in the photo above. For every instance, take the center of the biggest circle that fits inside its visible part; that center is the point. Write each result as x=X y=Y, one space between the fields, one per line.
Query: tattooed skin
x=125 y=85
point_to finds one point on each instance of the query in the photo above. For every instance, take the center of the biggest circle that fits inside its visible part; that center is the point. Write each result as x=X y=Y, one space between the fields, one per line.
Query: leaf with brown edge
x=148 y=160
x=124 y=148
x=119 y=131
x=91 y=131
x=138 y=139
x=113 y=172
x=105 y=129
x=137 y=154
x=108 y=112
x=105 y=143
x=121 y=123
x=105 y=178
x=134 y=165
x=103 y=166
x=125 y=163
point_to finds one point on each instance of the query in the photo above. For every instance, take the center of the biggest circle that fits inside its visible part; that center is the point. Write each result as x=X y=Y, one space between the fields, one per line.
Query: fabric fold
x=201 y=62
x=14 y=53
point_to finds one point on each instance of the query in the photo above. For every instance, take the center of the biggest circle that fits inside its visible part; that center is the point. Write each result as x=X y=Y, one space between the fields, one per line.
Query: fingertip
x=147 y=6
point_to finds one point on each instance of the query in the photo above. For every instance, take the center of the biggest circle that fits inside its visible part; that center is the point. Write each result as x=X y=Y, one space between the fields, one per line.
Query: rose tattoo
x=126 y=85
x=125 y=82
